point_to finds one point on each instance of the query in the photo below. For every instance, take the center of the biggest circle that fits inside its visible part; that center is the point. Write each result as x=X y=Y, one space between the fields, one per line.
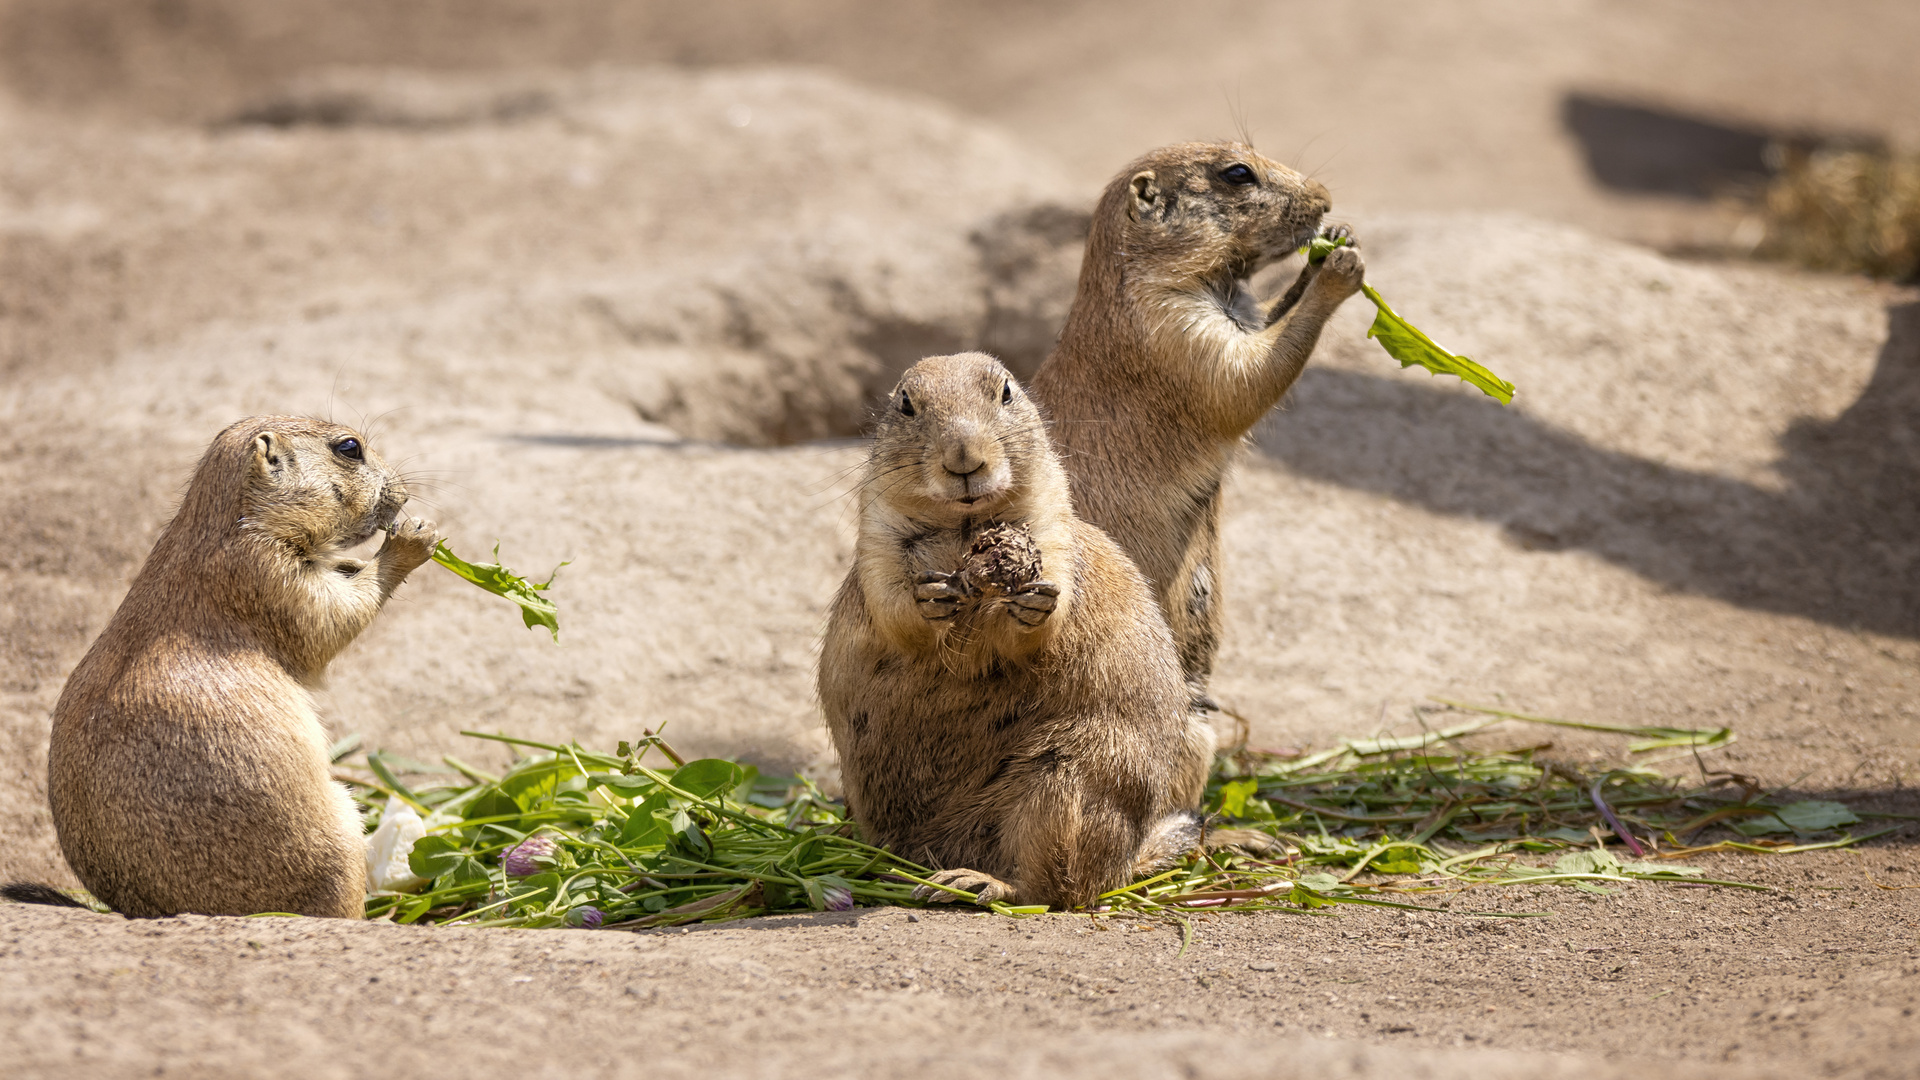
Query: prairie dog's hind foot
x=985 y=887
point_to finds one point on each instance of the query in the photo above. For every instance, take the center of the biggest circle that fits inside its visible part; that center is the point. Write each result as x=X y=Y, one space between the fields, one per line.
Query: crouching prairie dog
x=188 y=770
x=1167 y=361
x=1001 y=689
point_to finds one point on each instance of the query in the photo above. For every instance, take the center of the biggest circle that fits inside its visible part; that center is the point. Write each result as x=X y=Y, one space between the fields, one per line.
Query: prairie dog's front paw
x=1033 y=602
x=409 y=544
x=937 y=595
x=985 y=887
x=1341 y=272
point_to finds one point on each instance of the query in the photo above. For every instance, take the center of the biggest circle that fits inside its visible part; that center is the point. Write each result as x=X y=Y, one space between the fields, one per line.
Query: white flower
x=389 y=846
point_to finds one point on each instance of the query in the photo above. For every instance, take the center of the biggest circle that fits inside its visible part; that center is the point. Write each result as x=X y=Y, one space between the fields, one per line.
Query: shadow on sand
x=1840 y=544
x=1649 y=149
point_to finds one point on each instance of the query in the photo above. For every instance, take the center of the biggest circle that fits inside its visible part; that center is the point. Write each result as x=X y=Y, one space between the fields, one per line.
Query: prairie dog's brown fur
x=1167 y=361
x=188 y=771
x=1031 y=741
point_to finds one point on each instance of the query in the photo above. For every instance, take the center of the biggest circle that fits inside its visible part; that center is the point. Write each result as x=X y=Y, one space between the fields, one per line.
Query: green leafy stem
x=535 y=608
x=1405 y=343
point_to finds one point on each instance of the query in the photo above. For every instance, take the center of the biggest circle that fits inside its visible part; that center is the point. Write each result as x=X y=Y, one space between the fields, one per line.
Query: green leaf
x=433 y=856
x=779 y=895
x=1307 y=896
x=1405 y=343
x=535 y=785
x=376 y=763
x=492 y=804
x=708 y=777
x=467 y=871
x=1649 y=869
x=1590 y=861
x=535 y=608
x=1663 y=738
x=536 y=891
x=644 y=827
x=1806 y=816
x=1321 y=247
x=627 y=787
x=1233 y=796
x=685 y=833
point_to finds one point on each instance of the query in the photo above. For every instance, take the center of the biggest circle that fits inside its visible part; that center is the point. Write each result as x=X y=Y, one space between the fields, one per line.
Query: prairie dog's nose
x=963 y=461
x=962 y=454
x=1318 y=194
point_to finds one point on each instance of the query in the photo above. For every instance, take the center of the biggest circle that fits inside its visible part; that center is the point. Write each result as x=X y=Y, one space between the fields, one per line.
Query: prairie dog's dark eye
x=1006 y=393
x=906 y=404
x=1237 y=174
x=349 y=448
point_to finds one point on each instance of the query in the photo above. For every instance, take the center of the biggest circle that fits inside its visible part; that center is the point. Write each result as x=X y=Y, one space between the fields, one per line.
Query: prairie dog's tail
x=1181 y=831
x=1167 y=840
x=32 y=892
x=1250 y=841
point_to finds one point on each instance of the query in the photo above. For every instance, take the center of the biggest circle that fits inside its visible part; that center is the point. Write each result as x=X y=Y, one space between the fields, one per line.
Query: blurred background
x=1638 y=118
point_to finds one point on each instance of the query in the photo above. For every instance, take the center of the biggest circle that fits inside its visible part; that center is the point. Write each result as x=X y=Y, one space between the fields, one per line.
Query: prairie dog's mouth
x=977 y=489
x=362 y=546
x=378 y=524
x=969 y=503
x=1305 y=235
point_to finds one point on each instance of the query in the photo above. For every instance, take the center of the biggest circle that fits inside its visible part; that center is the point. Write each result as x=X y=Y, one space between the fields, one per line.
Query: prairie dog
x=188 y=770
x=1167 y=361
x=1002 y=691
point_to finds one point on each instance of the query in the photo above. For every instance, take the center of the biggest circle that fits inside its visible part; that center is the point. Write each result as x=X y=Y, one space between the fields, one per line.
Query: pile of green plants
x=642 y=837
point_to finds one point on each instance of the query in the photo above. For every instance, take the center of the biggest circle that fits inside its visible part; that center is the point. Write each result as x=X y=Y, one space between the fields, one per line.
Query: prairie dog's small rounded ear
x=267 y=453
x=1146 y=194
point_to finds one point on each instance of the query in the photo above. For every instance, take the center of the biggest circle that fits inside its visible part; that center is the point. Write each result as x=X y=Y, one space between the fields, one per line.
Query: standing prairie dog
x=1167 y=361
x=1001 y=689
x=188 y=771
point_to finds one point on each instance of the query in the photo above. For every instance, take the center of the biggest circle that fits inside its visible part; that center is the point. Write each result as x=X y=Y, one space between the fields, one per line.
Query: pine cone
x=1002 y=559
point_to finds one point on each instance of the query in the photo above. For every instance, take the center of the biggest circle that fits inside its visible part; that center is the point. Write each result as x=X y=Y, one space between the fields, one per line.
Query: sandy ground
x=1821 y=977
x=632 y=317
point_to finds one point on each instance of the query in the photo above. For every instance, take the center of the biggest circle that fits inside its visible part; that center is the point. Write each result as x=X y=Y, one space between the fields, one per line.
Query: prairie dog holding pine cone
x=1167 y=360
x=1003 y=693
x=188 y=771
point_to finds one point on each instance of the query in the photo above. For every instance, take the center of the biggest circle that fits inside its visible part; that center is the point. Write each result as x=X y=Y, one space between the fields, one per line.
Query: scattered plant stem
x=604 y=840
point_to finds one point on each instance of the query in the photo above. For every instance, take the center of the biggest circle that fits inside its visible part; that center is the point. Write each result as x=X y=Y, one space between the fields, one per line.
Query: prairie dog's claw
x=937 y=595
x=1343 y=269
x=410 y=544
x=1338 y=231
x=1032 y=604
x=985 y=887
